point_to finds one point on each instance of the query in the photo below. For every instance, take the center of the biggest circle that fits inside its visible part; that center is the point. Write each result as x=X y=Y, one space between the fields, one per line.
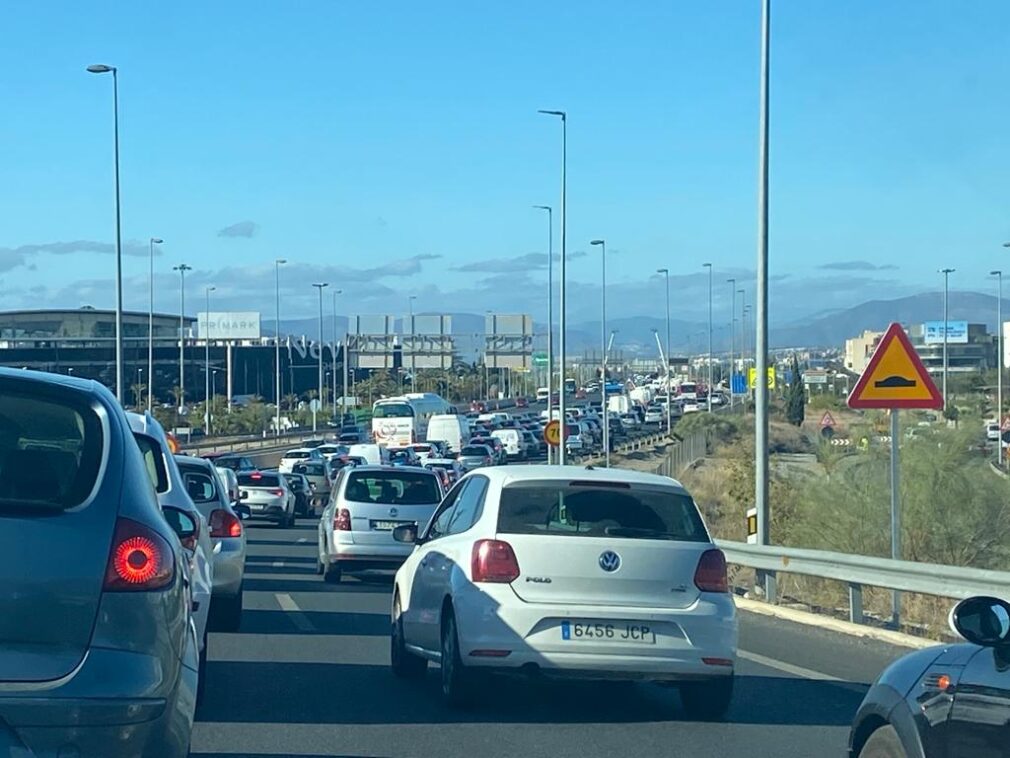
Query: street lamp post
x=182 y=268
x=603 y=346
x=206 y=362
x=666 y=368
x=709 y=393
x=606 y=412
x=277 y=343
x=103 y=69
x=550 y=314
x=413 y=362
x=564 y=254
x=150 y=326
x=946 y=276
x=732 y=336
x=999 y=361
x=337 y=411
x=320 y=286
x=744 y=342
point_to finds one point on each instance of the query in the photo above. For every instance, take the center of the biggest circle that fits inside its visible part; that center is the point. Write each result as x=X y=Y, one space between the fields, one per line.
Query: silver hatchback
x=98 y=649
x=268 y=496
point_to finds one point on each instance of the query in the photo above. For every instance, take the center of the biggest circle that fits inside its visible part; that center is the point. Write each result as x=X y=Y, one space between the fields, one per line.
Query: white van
x=542 y=395
x=512 y=441
x=374 y=455
x=454 y=431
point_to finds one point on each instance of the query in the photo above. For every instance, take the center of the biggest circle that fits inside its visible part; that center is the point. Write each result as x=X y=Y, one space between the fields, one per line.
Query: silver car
x=268 y=496
x=474 y=456
x=98 y=649
x=204 y=487
x=367 y=503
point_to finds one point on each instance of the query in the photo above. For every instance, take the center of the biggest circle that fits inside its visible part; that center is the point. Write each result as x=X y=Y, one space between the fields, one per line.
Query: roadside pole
x=895 y=513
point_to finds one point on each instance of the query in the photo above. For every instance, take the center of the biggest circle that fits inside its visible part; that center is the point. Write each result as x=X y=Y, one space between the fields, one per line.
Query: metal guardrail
x=860 y=571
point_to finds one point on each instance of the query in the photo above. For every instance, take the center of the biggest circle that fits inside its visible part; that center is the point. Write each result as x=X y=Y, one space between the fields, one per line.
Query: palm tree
x=138 y=395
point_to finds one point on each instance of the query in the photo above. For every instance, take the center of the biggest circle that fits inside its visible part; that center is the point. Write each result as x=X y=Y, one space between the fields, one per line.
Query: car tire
x=227 y=612
x=332 y=573
x=708 y=700
x=320 y=566
x=883 y=743
x=457 y=681
x=405 y=665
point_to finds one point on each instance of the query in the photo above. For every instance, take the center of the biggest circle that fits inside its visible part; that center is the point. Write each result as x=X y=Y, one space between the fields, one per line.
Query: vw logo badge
x=393 y=512
x=610 y=561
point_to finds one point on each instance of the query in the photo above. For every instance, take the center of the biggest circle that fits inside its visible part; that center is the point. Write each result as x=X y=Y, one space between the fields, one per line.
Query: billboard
x=372 y=342
x=427 y=342
x=957 y=332
x=228 y=325
x=508 y=341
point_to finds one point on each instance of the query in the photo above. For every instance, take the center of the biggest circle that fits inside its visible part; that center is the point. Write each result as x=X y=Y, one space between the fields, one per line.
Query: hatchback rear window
x=297 y=454
x=258 y=480
x=310 y=469
x=393 y=488
x=50 y=453
x=479 y=451
x=599 y=509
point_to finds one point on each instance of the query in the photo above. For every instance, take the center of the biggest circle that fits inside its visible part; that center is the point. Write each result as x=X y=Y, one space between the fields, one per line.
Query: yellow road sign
x=895 y=377
x=552 y=433
x=752 y=377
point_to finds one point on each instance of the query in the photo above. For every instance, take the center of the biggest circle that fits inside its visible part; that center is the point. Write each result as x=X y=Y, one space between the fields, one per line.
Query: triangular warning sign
x=895 y=377
x=827 y=419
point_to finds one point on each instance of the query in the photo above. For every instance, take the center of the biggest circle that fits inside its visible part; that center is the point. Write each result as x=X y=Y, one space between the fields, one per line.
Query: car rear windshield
x=258 y=480
x=293 y=454
x=480 y=451
x=392 y=410
x=393 y=487
x=50 y=453
x=310 y=469
x=599 y=509
x=199 y=485
x=294 y=482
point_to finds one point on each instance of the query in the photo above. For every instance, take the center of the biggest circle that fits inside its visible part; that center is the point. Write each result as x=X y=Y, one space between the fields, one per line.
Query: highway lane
x=308 y=675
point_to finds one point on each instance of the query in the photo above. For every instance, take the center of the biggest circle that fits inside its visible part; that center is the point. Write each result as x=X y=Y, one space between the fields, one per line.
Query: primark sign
x=231 y=325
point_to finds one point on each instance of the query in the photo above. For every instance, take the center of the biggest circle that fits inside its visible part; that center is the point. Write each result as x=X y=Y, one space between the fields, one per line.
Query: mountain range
x=635 y=336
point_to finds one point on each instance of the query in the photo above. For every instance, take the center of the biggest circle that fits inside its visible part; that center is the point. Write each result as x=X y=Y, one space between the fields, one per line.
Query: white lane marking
x=277 y=564
x=289 y=606
x=302 y=540
x=788 y=668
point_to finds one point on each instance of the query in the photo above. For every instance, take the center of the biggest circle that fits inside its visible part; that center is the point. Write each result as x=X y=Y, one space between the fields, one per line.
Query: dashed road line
x=298 y=618
x=787 y=668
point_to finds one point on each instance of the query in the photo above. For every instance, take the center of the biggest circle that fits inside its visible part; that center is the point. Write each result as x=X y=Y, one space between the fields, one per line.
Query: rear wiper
x=630 y=531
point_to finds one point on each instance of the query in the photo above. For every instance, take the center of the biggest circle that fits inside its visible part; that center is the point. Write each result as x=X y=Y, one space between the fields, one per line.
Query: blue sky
x=382 y=149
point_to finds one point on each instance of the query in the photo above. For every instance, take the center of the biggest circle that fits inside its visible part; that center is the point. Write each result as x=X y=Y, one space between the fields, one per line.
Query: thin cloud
x=16 y=257
x=856 y=266
x=506 y=265
x=245 y=229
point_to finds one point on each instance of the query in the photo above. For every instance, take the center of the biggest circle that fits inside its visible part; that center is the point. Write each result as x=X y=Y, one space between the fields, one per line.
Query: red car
x=522 y=402
x=478 y=406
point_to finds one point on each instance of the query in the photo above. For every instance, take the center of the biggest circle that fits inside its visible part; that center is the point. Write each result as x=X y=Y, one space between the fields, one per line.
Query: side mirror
x=243 y=495
x=183 y=524
x=242 y=511
x=982 y=621
x=406 y=533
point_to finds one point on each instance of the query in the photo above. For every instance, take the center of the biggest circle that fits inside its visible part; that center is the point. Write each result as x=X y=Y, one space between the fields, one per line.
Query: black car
x=951 y=701
x=303 y=493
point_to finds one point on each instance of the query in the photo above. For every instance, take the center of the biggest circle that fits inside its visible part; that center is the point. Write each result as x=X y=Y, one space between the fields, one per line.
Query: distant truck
x=619 y=404
x=641 y=396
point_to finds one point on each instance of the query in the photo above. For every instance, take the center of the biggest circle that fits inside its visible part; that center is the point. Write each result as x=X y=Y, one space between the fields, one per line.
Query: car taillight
x=278 y=493
x=140 y=559
x=224 y=524
x=342 y=521
x=493 y=561
x=710 y=576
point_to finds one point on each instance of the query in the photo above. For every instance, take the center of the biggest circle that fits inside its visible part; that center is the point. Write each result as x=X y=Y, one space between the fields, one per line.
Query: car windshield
x=392 y=410
x=199 y=485
x=297 y=454
x=599 y=509
x=402 y=487
x=474 y=450
x=258 y=480
x=310 y=469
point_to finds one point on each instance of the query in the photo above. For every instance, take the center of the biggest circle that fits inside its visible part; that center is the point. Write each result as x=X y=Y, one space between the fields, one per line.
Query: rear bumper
x=271 y=510
x=381 y=555
x=229 y=566
x=532 y=634
x=118 y=705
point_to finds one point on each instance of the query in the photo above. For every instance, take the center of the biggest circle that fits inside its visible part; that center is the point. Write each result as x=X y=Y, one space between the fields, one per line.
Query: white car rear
x=569 y=572
x=301 y=455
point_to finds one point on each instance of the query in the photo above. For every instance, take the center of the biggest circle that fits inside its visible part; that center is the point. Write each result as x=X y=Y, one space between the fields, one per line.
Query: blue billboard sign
x=957 y=332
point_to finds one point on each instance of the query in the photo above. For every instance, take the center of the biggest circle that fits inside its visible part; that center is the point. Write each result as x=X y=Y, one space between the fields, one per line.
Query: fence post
x=856 y=603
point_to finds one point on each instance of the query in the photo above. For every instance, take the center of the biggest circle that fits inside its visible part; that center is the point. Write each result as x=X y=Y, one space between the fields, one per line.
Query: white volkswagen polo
x=568 y=572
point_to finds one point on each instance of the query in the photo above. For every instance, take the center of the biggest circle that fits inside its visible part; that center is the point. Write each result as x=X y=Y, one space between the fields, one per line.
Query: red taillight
x=224 y=524
x=140 y=559
x=278 y=493
x=493 y=561
x=342 y=521
x=710 y=576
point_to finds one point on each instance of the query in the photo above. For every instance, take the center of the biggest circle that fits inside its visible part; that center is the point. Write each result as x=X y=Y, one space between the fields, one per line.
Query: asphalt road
x=308 y=676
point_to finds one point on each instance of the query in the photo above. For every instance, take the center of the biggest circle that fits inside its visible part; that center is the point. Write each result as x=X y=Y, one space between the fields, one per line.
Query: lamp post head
x=211 y=288
x=281 y=261
x=320 y=285
x=706 y=265
x=663 y=271
x=156 y=240
x=182 y=268
x=995 y=273
x=598 y=242
x=543 y=207
x=562 y=114
x=100 y=68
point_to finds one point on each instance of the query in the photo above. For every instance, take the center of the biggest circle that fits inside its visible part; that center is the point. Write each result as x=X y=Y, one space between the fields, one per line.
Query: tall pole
x=946 y=277
x=603 y=347
x=606 y=413
x=732 y=336
x=744 y=342
x=666 y=364
x=413 y=362
x=182 y=268
x=320 y=286
x=335 y=409
x=103 y=69
x=150 y=326
x=277 y=343
x=550 y=314
x=206 y=360
x=709 y=393
x=564 y=254
x=999 y=362
x=761 y=341
x=895 y=513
